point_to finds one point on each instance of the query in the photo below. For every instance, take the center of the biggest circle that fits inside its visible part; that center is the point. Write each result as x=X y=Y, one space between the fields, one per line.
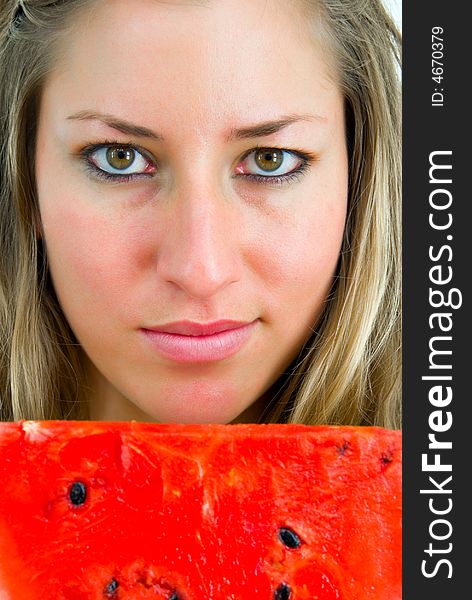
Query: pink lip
x=187 y=341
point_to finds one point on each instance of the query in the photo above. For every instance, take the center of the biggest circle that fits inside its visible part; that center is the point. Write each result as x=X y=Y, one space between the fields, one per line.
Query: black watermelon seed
x=111 y=588
x=387 y=457
x=283 y=592
x=342 y=450
x=289 y=538
x=173 y=596
x=77 y=493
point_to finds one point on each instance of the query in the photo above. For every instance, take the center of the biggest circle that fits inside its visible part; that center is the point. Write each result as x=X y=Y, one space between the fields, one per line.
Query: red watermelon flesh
x=96 y=511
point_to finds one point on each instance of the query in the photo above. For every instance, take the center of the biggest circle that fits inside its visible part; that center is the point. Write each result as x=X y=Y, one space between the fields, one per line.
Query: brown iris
x=269 y=159
x=119 y=157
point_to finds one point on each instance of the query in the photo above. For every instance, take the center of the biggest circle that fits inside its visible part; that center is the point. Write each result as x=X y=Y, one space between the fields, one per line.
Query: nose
x=199 y=252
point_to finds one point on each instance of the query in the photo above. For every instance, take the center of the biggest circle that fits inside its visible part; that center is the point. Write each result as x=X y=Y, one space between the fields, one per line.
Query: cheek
x=300 y=258
x=87 y=265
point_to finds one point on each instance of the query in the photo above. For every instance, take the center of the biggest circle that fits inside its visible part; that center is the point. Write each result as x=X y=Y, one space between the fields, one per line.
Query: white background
x=395 y=9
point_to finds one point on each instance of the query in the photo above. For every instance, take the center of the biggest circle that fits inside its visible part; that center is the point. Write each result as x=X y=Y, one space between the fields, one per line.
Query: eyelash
x=277 y=180
x=113 y=177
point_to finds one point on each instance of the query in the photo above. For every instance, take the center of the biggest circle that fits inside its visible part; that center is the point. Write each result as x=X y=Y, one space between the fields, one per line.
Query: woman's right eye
x=118 y=162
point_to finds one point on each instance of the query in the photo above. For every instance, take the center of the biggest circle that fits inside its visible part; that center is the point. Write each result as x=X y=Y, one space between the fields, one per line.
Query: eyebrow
x=253 y=131
x=270 y=127
x=118 y=124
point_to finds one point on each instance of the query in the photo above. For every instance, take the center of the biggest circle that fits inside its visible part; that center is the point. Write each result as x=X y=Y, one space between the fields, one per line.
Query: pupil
x=120 y=158
x=269 y=160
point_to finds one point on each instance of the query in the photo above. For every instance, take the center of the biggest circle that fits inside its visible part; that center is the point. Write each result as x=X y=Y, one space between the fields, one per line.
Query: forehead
x=216 y=60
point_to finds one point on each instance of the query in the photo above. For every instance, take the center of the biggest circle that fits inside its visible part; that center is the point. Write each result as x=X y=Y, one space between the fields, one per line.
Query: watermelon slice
x=96 y=511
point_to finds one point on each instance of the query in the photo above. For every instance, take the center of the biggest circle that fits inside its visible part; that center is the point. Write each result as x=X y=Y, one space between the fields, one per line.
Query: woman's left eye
x=118 y=162
x=271 y=163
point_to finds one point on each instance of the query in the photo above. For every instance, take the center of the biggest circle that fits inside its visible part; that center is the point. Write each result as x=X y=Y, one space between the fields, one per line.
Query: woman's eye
x=117 y=161
x=271 y=162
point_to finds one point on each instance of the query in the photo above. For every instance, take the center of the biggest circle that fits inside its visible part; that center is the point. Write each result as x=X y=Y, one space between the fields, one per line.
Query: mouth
x=192 y=342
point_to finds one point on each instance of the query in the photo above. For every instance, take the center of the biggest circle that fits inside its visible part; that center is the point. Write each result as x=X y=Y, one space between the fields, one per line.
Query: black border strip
x=436 y=348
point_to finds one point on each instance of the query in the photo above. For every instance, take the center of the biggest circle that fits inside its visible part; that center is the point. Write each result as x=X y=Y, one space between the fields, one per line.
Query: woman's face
x=192 y=177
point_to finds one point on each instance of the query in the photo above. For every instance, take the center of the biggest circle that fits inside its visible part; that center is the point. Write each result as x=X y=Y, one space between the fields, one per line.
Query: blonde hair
x=349 y=371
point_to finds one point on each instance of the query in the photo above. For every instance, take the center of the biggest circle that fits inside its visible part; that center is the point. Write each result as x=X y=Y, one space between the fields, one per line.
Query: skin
x=197 y=240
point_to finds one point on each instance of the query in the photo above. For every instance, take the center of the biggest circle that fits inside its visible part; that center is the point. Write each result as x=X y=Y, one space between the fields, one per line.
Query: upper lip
x=193 y=328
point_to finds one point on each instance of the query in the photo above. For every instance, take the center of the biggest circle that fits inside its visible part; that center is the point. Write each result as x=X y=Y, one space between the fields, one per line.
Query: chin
x=200 y=406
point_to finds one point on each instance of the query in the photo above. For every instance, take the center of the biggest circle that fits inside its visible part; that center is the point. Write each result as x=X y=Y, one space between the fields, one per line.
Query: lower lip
x=199 y=348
